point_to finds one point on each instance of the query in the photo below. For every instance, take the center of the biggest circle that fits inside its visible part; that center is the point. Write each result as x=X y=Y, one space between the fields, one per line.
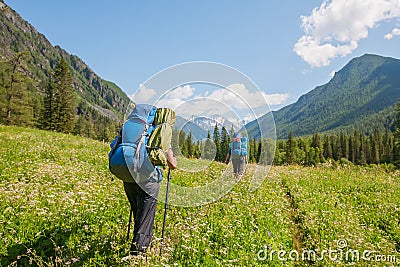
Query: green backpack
x=160 y=139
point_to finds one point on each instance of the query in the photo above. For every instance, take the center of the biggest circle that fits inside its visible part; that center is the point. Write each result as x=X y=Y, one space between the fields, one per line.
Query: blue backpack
x=238 y=146
x=128 y=158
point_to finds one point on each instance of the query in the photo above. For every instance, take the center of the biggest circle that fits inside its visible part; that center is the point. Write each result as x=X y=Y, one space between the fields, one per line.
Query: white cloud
x=249 y=117
x=335 y=28
x=143 y=94
x=170 y=103
x=276 y=99
x=395 y=32
x=238 y=96
x=181 y=92
x=234 y=102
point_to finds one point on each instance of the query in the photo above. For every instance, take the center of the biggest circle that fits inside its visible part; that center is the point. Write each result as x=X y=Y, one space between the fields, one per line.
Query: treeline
x=377 y=147
x=216 y=147
x=357 y=148
x=212 y=148
x=51 y=105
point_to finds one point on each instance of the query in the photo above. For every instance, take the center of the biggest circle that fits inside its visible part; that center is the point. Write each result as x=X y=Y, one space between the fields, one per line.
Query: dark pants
x=238 y=165
x=143 y=204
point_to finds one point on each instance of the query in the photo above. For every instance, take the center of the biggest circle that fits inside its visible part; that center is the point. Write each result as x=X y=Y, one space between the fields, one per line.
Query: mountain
x=208 y=123
x=96 y=98
x=187 y=126
x=362 y=95
x=200 y=126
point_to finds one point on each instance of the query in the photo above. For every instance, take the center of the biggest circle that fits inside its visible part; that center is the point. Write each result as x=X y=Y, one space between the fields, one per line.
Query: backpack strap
x=139 y=147
x=115 y=143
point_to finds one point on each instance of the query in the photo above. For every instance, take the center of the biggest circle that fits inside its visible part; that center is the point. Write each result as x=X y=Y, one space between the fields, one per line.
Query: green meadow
x=60 y=206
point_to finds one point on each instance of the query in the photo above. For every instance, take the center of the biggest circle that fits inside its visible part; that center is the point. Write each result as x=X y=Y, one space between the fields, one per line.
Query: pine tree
x=182 y=143
x=66 y=107
x=224 y=143
x=328 y=154
x=388 y=144
x=316 y=143
x=14 y=92
x=217 y=142
x=362 y=159
x=290 y=149
x=374 y=148
x=49 y=109
x=207 y=148
x=344 y=145
x=396 y=148
x=356 y=147
x=59 y=105
x=259 y=150
x=189 y=145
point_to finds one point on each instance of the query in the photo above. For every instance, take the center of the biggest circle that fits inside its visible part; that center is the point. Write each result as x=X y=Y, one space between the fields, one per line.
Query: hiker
x=141 y=149
x=238 y=153
x=143 y=200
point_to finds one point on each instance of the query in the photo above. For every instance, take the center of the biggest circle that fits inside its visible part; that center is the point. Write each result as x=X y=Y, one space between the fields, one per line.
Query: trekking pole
x=129 y=224
x=165 y=210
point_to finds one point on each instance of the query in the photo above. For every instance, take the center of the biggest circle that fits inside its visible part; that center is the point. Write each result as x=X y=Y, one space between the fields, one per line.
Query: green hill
x=362 y=95
x=99 y=102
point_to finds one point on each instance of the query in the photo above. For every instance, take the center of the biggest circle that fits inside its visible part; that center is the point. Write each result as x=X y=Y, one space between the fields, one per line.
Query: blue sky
x=286 y=47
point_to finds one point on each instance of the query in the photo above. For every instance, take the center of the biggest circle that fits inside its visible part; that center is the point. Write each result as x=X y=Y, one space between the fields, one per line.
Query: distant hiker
x=143 y=145
x=238 y=153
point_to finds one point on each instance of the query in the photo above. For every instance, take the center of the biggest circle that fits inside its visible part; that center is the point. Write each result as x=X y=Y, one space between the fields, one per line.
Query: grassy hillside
x=60 y=207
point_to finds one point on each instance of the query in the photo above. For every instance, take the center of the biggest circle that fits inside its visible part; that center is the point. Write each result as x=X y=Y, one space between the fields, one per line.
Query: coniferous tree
x=66 y=105
x=362 y=160
x=258 y=152
x=14 y=92
x=208 y=148
x=182 y=143
x=388 y=145
x=356 y=144
x=189 y=145
x=224 y=143
x=317 y=145
x=217 y=142
x=50 y=109
x=396 y=148
x=344 y=145
x=291 y=149
x=328 y=154
x=374 y=149
x=59 y=106
x=336 y=148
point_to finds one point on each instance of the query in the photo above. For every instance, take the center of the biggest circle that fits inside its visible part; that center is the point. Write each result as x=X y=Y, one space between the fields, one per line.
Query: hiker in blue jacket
x=238 y=153
x=143 y=200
